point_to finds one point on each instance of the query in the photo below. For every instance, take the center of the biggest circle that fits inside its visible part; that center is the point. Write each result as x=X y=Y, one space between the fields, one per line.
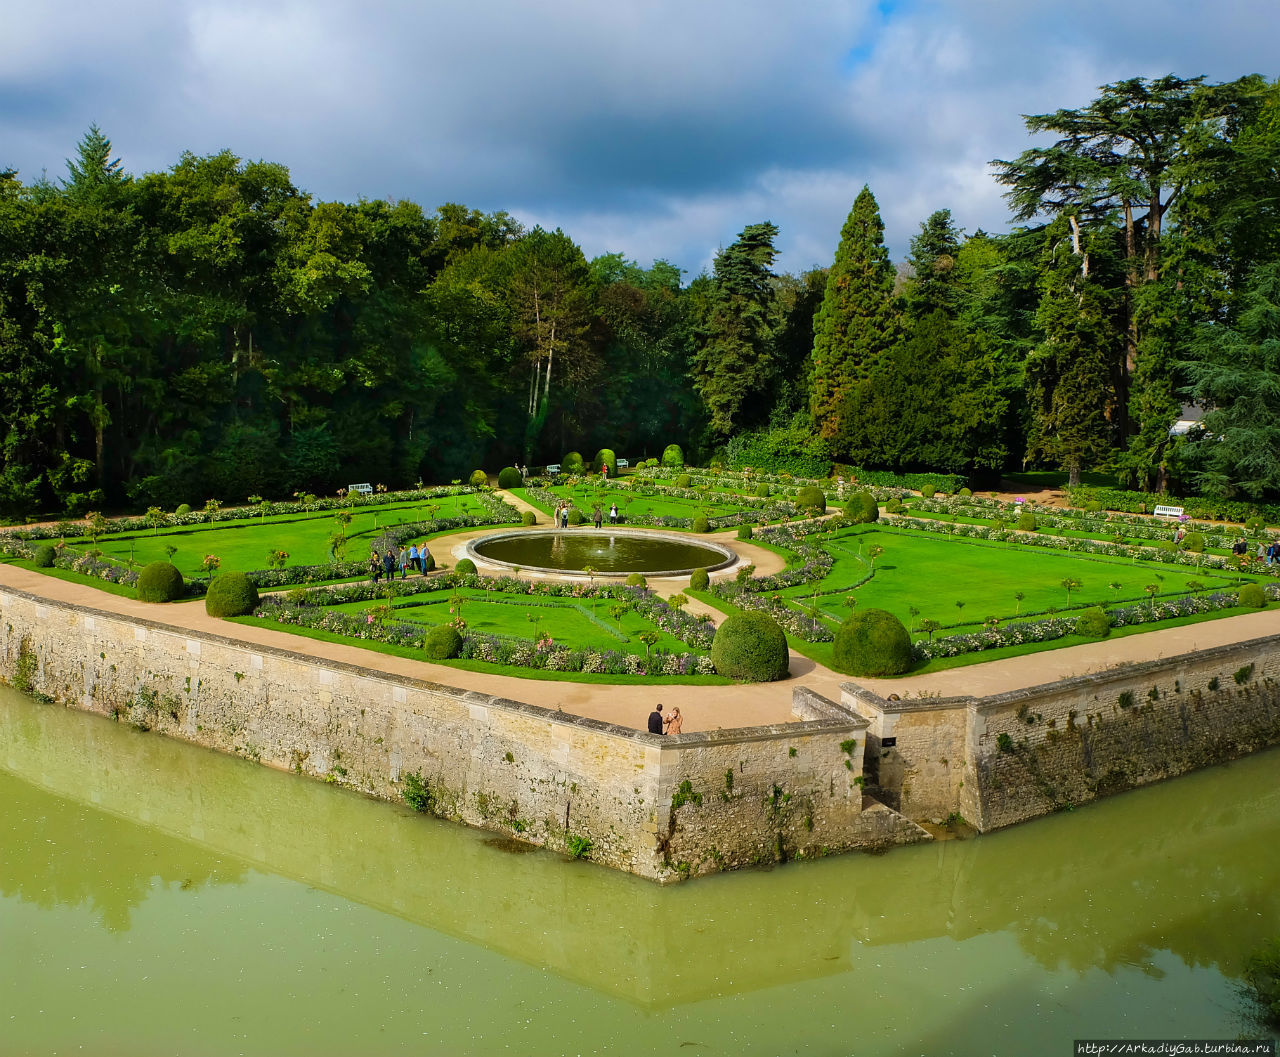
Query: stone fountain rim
x=728 y=555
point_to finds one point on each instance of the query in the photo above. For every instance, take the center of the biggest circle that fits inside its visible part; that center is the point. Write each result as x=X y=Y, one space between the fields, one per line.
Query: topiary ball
x=465 y=567
x=575 y=516
x=744 y=532
x=701 y=524
x=183 y=508
x=479 y=478
x=965 y=492
x=1167 y=545
x=1026 y=521
x=160 y=582
x=1094 y=623
x=1252 y=595
x=861 y=508
x=572 y=463
x=636 y=580
x=928 y=491
x=811 y=497
x=509 y=477
x=673 y=455
x=605 y=457
x=528 y=517
x=43 y=557
x=699 y=579
x=231 y=595
x=684 y=481
x=442 y=642
x=872 y=642
x=750 y=647
x=762 y=491
x=1194 y=542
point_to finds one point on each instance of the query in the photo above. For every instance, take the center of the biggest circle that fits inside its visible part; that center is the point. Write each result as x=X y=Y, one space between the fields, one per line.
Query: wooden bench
x=1168 y=511
x=360 y=489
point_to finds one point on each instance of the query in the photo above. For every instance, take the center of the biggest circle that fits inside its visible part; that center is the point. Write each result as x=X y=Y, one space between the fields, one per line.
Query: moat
x=137 y=872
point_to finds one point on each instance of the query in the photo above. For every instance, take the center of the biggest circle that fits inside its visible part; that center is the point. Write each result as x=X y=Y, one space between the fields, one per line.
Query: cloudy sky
x=656 y=128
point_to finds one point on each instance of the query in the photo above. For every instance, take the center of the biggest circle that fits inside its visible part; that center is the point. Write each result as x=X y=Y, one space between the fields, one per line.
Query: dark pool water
x=605 y=552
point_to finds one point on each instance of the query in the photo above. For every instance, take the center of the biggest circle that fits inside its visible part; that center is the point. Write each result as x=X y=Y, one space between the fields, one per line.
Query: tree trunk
x=1073 y=474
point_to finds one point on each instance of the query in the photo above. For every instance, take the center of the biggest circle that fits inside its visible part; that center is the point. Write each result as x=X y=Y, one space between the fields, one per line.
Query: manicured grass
x=932 y=573
x=484 y=666
x=1057 y=479
x=587 y=497
x=244 y=546
x=510 y=616
x=72 y=577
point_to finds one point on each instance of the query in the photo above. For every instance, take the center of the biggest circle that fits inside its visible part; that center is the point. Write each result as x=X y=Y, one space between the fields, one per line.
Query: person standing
x=424 y=558
x=404 y=562
x=656 y=720
x=389 y=564
x=598 y=515
x=613 y=514
x=375 y=565
x=413 y=557
x=673 y=721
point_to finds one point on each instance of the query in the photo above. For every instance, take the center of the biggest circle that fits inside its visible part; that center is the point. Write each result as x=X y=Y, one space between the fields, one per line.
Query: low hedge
x=750 y=647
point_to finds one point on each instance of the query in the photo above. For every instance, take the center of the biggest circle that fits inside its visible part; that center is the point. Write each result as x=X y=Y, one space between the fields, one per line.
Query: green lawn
x=932 y=573
x=244 y=545
x=587 y=497
x=563 y=619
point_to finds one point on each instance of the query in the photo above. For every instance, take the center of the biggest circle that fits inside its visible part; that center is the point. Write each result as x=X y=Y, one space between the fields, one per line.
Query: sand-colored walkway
x=704 y=707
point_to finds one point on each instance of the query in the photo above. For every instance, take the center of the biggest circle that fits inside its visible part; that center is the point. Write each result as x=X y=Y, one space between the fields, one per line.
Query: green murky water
x=159 y=899
x=603 y=551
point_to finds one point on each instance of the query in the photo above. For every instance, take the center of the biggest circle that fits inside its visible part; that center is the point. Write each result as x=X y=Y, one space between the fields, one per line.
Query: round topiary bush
x=159 y=582
x=605 y=457
x=572 y=463
x=636 y=580
x=812 y=498
x=1194 y=542
x=465 y=567
x=1167 y=545
x=750 y=647
x=1026 y=521
x=965 y=493
x=699 y=579
x=1094 y=623
x=528 y=517
x=872 y=642
x=1093 y=507
x=1252 y=595
x=894 y=506
x=1253 y=526
x=575 y=516
x=928 y=491
x=442 y=642
x=673 y=455
x=762 y=491
x=43 y=557
x=684 y=481
x=231 y=595
x=183 y=508
x=744 y=532
x=861 y=508
x=479 y=478
x=509 y=477
x=701 y=524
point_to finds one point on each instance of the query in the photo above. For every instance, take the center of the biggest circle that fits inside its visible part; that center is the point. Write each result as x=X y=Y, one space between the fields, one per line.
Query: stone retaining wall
x=663 y=808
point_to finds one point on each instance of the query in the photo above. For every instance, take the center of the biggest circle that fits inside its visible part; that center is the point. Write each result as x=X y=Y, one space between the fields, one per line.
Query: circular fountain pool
x=609 y=552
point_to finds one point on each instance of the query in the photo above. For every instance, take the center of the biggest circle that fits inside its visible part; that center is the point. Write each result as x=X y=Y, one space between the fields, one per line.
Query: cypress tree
x=858 y=320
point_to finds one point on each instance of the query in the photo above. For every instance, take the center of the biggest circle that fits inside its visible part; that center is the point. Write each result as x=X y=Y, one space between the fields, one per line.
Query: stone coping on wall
x=837 y=717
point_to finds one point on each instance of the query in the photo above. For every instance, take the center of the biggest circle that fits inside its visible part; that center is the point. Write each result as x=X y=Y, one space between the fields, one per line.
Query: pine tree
x=1071 y=375
x=934 y=253
x=734 y=365
x=93 y=168
x=858 y=320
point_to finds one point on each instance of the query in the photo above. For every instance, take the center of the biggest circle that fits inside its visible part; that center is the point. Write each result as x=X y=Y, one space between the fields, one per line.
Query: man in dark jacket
x=655 y=720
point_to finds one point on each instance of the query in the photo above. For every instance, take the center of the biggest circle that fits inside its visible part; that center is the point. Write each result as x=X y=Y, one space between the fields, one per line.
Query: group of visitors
x=1269 y=553
x=406 y=558
x=665 y=723
x=561 y=517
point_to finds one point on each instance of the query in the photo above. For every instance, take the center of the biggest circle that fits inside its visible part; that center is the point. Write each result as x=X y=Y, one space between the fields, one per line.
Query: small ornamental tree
x=872 y=642
x=673 y=455
x=750 y=647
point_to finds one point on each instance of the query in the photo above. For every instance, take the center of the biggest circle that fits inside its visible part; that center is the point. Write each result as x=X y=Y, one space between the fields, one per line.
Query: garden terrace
x=645 y=504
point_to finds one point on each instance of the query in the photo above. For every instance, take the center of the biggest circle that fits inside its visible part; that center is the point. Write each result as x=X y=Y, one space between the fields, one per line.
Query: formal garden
x=940 y=575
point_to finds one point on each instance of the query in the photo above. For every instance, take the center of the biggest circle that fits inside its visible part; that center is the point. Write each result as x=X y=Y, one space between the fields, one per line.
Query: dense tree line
x=212 y=330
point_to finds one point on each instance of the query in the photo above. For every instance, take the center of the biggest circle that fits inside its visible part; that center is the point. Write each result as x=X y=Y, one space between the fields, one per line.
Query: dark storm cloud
x=655 y=128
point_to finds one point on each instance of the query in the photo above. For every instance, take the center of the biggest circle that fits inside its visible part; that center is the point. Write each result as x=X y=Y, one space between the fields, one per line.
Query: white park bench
x=623 y=464
x=1168 y=511
x=553 y=468
x=361 y=489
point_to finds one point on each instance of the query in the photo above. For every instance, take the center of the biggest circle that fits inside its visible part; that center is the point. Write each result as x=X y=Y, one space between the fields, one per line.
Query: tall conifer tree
x=858 y=320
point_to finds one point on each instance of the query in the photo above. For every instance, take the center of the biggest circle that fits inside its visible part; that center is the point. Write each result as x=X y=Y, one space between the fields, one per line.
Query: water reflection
x=1189 y=867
